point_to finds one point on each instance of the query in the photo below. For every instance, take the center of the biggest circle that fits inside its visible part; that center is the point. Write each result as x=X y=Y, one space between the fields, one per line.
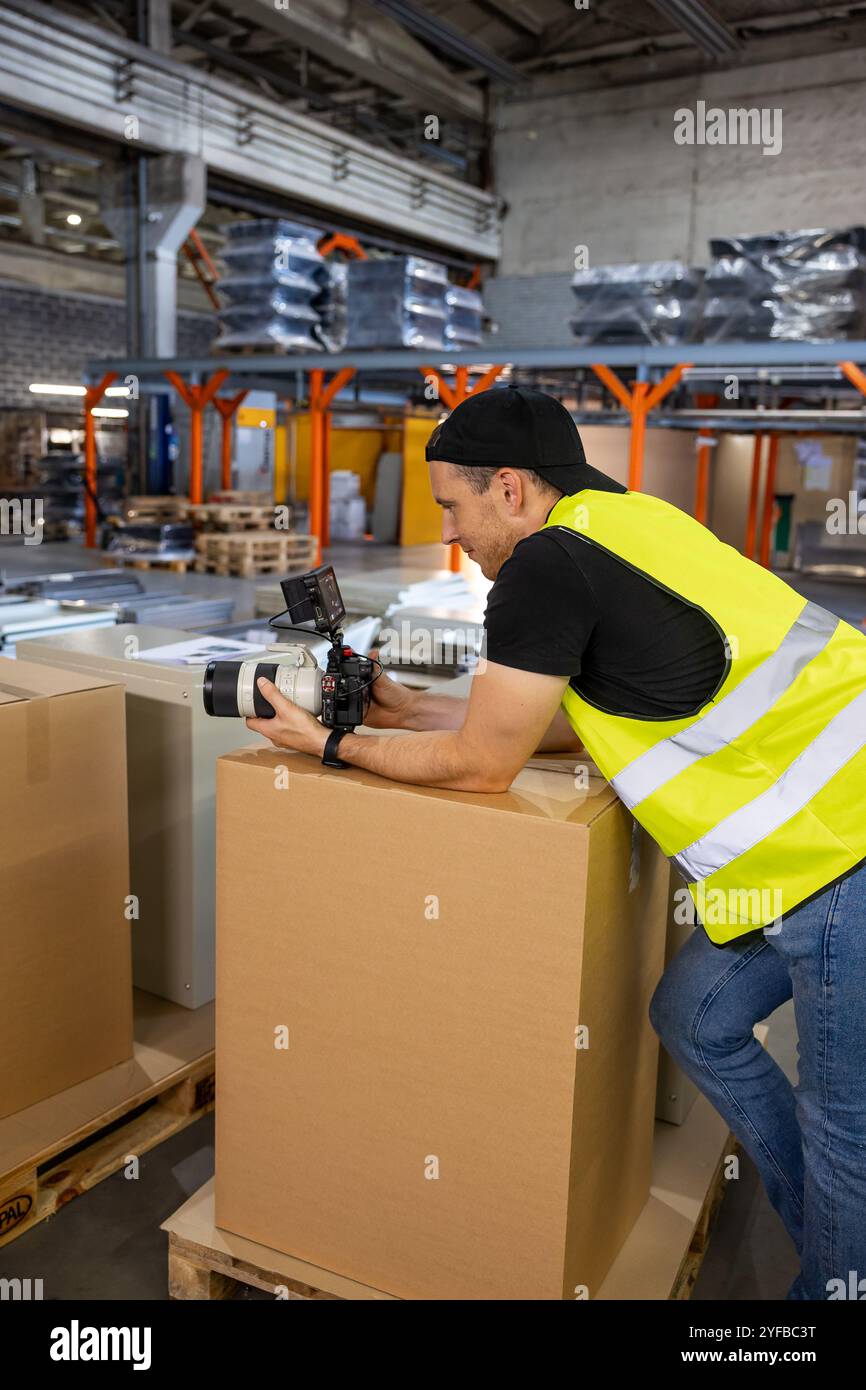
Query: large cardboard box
x=172 y=748
x=407 y=981
x=65 y=986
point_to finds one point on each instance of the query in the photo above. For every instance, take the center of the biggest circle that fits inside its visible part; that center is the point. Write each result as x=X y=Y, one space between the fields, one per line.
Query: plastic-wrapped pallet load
x=273 y=274
x=348 y=510
x=331 y=304
x=651 y=302
x=800 y=286
x=464 y=325
x=398 y=301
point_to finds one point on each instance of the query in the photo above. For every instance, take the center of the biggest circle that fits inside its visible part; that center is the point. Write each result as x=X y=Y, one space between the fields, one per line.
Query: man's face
x=486 y=525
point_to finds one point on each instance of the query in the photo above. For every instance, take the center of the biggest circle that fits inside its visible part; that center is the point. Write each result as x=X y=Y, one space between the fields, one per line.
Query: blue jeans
x=809 y=1141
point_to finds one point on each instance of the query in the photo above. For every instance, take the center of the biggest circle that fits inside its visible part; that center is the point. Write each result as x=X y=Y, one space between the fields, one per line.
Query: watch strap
x=329 y=756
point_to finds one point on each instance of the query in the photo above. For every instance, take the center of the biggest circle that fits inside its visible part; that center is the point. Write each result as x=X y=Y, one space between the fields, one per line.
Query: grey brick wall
x=530 y=310
x=50 y=337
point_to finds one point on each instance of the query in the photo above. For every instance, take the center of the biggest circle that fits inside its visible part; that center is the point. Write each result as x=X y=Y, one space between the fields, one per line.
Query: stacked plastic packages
x=397 y=302
x=331 y=304
x=273 y=279
x=801 y=286
x=464 y=325
x=650 y=302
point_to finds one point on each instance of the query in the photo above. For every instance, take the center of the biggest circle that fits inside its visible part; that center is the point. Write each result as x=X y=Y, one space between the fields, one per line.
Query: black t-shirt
x=561 y=606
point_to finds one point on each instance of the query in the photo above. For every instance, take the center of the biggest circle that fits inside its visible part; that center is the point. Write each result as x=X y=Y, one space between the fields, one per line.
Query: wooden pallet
x=156 y=510
x=206 y=1263
x=688 y=1272
x=65 y=1145
x=231 y=516
x=660 y=1260
x=152 y=562
x=236 y=497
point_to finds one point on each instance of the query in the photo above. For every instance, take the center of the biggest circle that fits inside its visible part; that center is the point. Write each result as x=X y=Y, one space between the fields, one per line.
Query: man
x=730 y=717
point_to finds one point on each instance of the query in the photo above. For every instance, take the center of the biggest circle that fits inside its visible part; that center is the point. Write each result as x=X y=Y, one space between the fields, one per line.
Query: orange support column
x=769 y=487
x=326 y=477
x=320 y=401
x=754 y=492
x=637 y=440
x=702 y=484
x=196 y=398
x=317 y=450
x=92 y=396
x=227 y=407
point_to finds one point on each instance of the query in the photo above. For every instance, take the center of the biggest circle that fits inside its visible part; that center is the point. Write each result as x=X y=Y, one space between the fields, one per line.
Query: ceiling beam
x=516 y=14
x=377 y=50
x=705 y=29
x=454 y=43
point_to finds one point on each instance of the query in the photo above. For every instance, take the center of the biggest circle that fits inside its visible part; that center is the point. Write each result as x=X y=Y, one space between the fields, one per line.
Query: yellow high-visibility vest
x=758 y=797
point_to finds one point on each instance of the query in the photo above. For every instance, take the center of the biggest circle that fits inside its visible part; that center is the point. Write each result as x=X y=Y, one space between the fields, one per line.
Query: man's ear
x=512 y=488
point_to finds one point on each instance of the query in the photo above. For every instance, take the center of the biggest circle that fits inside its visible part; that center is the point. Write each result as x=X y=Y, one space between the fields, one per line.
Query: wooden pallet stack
x=250 y=553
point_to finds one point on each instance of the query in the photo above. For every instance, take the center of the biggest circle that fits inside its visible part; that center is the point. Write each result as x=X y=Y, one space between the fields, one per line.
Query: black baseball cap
x=516 y=427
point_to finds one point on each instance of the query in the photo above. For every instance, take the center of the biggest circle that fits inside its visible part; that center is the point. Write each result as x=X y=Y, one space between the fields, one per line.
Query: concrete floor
x=108 y=1245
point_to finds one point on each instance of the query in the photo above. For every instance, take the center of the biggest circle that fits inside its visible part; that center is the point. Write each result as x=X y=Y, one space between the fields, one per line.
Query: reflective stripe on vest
x=734 y=714
x=819 y=762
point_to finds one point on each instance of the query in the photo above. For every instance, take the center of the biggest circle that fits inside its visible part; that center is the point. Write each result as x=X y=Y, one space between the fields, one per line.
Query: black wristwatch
x=329 y=756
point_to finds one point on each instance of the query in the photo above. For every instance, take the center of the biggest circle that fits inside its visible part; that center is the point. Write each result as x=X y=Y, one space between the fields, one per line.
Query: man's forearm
x=430 y=712
x=434 y=759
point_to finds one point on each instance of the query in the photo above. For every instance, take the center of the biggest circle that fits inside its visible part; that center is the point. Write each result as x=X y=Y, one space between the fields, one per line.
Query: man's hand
x=391 y=705
x=291 y=727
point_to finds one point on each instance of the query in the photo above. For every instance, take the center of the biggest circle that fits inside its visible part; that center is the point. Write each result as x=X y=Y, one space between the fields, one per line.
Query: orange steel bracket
x=227 y=406
x=196 y=397
x=638 y=402
x=339 y=241
x=198 y=255
x=453 y=397
x=92 y=396
x=446 y=395
x=855 y=375
x=754 y=492
x=767 y=517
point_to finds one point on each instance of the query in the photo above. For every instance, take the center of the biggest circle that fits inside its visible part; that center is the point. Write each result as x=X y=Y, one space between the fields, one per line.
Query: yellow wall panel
x=421 y=518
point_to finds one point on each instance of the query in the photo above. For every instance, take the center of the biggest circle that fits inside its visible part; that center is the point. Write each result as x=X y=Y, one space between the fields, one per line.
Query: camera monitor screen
x=330 y=596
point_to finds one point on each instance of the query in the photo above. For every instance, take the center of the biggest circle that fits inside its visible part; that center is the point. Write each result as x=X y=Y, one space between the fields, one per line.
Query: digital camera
x=339 y=695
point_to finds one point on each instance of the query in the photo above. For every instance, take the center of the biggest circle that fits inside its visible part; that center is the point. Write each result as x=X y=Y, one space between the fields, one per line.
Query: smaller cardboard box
x=436 y=1069
x=66 y=983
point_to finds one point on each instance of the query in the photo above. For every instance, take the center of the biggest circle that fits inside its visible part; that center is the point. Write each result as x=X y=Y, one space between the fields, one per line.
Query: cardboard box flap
x=547 y=791
x=27 y=680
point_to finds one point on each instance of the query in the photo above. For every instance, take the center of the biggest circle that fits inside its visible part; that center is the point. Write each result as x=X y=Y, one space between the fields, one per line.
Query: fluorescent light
x=46 y=388
x=112 y=414
x=74 y=219
x=42 y=388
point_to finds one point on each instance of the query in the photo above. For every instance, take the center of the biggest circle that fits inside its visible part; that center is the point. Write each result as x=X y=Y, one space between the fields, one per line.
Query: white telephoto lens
x=300 y=684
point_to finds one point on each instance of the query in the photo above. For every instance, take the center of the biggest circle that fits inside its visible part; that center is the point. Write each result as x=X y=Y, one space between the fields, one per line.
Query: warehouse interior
x=251 y=255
